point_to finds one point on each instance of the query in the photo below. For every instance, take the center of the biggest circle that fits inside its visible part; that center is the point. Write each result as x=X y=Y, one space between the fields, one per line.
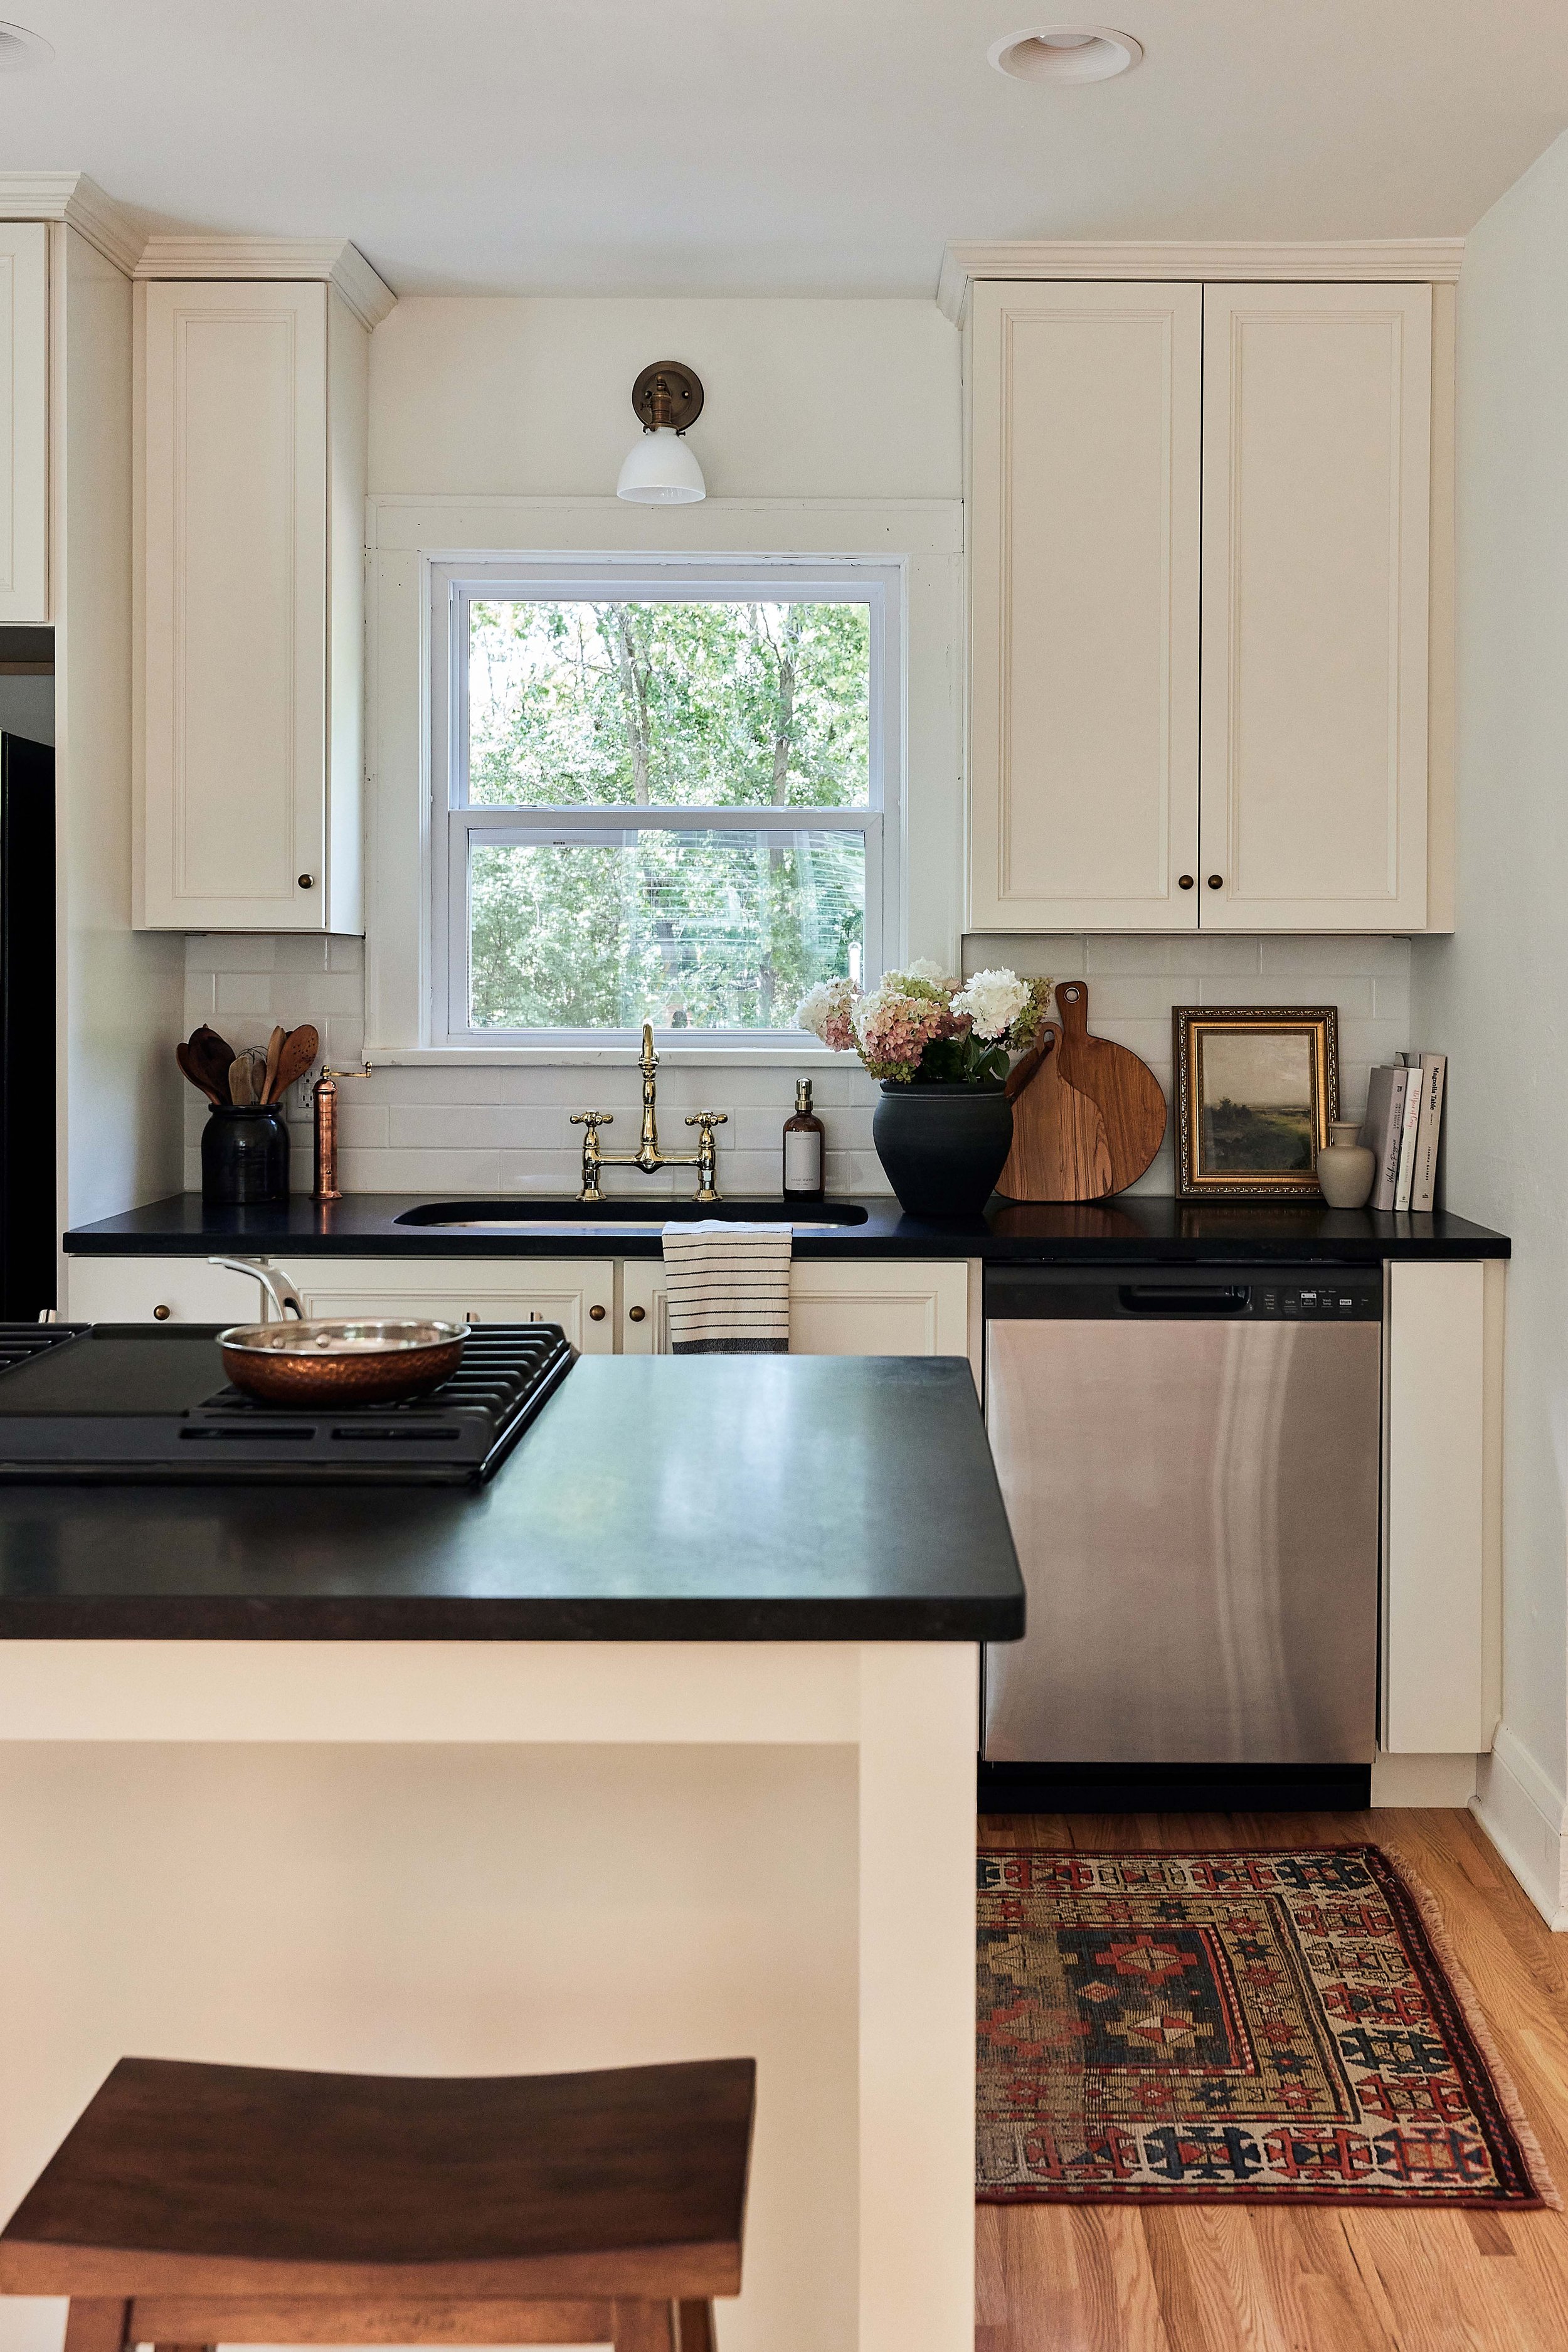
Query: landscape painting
x=1256 y=1102
x=1256 y=1089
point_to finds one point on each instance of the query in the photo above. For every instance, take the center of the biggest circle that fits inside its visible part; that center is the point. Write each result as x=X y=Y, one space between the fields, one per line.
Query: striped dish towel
x=729 y=1288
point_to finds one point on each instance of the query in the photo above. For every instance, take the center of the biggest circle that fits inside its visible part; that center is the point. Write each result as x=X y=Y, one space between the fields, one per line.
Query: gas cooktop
x=110 y=1401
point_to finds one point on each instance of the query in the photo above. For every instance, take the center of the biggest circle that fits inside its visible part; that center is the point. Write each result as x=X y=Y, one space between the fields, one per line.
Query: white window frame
x=878 y=583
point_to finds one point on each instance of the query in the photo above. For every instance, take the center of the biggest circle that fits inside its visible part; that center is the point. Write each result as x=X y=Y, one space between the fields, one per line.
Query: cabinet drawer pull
x=636 y=1314
x=1184 y=881
x=160 y=1315
x=596 y=1314
x=1217 y=881
x=307 y=881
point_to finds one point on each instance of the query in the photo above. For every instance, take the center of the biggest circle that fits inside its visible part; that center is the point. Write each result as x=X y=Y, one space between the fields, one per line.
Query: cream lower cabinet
x=23 y=421
x=605 y=1305
x=1199 y=532
x=577 y=1293
x=874 y=1307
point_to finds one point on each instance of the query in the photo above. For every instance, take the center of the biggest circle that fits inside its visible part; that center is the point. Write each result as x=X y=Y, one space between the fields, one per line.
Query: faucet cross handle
x=704 y=1121
x=590 y=1121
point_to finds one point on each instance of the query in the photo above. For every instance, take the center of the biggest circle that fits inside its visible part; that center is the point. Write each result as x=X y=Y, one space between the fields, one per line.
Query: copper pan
x=374 y=1360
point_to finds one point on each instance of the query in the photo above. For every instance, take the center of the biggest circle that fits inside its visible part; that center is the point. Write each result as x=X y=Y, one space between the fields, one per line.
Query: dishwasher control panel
x=1207 y=1294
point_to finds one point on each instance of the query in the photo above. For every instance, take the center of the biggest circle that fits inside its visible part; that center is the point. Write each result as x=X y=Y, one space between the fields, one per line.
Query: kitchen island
x=661 y=1746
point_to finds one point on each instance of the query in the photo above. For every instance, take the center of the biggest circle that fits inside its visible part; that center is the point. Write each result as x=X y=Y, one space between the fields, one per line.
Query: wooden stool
x=203 y=2205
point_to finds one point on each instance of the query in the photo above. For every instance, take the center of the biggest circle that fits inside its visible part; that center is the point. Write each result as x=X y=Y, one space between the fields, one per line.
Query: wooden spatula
x=269 y=1078
x=210 y=1057
x=241 y=1090
x=294 y=1056
x=182 y=1056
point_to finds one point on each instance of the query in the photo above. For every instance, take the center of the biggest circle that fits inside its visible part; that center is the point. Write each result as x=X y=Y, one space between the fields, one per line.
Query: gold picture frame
x=1257 y=1090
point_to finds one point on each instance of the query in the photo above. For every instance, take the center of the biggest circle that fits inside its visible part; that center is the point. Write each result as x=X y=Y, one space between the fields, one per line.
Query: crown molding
x=328 y=260
x=81 y=203
x=1392 y=260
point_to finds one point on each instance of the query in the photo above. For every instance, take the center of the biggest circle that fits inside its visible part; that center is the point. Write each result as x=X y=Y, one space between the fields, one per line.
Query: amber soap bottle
x=805 y=1150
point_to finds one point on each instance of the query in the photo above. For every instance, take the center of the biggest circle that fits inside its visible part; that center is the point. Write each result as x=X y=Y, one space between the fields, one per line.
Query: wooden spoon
x=241 y=1092
x=182 y=1056
x=269 y=1081
x=298 y=1052
x=210 y=1057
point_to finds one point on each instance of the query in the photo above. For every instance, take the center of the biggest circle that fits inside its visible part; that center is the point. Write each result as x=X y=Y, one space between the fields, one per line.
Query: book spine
x=1434 y=1073
x=1388 y=1146
x=1407 y=1126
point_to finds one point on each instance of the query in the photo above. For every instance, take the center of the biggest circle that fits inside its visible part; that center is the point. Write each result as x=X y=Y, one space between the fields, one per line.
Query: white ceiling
x=777 y=146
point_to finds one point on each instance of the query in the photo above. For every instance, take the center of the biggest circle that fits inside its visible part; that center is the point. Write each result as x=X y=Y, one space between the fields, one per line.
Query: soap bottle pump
x=805 y=1150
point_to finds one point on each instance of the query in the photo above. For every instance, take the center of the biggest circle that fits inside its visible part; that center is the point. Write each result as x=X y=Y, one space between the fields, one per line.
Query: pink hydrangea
x=894 y=1025
x=827 y=1012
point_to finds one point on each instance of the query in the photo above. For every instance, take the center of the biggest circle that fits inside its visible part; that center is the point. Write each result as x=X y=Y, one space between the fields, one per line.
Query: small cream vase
x=1346 y=1168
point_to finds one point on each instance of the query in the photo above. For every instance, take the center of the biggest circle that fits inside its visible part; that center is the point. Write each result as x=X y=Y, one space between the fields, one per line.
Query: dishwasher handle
x=1189 y=1298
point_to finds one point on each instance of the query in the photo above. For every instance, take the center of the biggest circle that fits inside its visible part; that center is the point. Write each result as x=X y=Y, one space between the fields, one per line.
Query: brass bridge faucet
x=648 y=1155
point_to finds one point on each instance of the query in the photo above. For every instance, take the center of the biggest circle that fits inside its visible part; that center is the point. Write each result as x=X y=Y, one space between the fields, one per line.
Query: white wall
x=120 y=989
x=826 y=399
x=1494 y=995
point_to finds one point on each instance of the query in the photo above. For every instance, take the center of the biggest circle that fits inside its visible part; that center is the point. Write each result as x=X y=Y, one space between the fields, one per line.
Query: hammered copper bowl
x=376 y=1361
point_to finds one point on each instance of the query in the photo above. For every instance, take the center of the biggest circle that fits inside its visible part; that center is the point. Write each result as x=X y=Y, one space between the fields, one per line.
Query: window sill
x=724 y=1057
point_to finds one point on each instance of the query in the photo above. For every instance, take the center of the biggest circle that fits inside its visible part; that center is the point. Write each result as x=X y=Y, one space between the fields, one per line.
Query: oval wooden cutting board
x=1060 y=1150
x=1124 y=1089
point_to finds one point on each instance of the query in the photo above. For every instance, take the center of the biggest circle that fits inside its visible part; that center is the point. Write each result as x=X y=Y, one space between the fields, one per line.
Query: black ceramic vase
x=943 y=1147
x=245 y=1155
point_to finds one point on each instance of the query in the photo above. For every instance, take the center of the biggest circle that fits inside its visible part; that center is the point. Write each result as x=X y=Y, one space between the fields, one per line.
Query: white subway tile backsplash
x=455 y=1130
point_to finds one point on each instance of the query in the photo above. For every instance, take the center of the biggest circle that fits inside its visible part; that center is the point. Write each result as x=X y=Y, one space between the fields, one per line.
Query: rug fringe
x=1464 y=1991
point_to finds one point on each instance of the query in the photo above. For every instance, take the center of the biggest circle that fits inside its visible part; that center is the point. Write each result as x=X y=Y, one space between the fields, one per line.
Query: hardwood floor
x=1208 y=2278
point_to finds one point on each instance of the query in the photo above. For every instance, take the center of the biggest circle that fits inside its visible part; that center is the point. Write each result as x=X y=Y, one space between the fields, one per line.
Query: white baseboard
x=1441 y=1780
x=1524 y=1813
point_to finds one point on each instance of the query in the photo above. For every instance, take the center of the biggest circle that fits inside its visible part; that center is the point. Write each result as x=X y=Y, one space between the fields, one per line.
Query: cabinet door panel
x=1084 y=516
x=234 y=425
x=905 y=1308
x=1316 y=491
x=23 y=421
x=508 y=1290
x=132 y=1289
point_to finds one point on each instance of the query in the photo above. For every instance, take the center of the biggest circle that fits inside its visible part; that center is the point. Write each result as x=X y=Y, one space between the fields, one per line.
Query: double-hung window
x=664 y=791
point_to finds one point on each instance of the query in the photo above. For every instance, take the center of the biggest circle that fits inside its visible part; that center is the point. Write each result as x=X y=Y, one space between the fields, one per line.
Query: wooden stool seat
x=199 y=2205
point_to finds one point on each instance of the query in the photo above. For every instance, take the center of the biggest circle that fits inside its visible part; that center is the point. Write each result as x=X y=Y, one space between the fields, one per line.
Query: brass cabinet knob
x=307 y=881
x=160 y=1315
x=636 y=1314
x=1184 y=881
x=596 y=1314
x=1217 y=881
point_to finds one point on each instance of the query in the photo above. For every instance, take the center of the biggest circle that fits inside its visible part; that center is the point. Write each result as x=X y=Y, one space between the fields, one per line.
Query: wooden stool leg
x=643 y=2326
x=697 y=2327
x=96 y=2324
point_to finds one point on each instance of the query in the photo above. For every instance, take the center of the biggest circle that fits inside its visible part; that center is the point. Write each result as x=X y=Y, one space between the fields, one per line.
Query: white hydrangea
x=993 y=1001
x=924 y=969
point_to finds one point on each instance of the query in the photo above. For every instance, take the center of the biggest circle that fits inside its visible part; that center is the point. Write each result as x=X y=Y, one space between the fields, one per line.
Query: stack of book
x=1404 y=1119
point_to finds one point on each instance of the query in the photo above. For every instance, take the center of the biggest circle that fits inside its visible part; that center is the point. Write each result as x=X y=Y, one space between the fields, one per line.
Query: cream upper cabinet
x=1199 y=557
x=1085 y=423
x=23 y=421
x=1316 y=505
x=251 y=431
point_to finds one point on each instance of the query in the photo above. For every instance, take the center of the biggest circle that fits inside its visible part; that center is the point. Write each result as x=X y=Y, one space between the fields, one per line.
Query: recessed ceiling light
x=1064 y=53
x=19 y=49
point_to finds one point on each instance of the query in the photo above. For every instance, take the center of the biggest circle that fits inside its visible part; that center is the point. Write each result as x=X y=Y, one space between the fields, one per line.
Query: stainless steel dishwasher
x=1190 y=1461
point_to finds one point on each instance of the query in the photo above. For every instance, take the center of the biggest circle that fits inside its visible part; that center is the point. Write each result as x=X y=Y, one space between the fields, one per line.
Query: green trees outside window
x=603 y=716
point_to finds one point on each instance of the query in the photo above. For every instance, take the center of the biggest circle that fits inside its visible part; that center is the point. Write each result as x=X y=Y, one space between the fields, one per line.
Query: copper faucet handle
x=708 y=1119
x=591 y=1119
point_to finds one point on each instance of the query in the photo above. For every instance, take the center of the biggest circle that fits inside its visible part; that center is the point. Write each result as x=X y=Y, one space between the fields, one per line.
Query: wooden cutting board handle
x=1124 y=1089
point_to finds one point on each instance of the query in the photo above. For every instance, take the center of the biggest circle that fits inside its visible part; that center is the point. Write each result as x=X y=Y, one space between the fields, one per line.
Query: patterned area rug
x=1274 y=2028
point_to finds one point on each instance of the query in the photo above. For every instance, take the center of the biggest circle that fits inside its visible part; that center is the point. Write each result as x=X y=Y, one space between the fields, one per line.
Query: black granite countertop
x=1136 y=1226
x=734 y=1498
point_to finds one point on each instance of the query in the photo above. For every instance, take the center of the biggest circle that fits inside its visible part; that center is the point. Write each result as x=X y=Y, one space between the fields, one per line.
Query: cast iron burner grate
x=122 y=1400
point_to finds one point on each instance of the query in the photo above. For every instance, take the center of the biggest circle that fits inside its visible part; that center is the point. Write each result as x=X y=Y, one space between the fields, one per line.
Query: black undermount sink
x=528 y=1216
